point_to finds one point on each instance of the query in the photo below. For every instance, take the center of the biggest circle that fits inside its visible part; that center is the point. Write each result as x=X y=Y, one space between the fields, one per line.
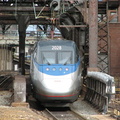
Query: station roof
x=10 y=8
x=102 y=5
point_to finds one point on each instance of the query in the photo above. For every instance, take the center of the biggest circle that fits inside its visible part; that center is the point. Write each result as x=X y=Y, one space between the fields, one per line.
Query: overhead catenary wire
x=15 y=7
x=37 y=16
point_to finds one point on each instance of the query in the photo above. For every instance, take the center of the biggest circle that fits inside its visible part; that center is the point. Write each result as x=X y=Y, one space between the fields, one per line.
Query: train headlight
x=60 y=69
x=47 y=69
x=54 y=69
x=66 y=69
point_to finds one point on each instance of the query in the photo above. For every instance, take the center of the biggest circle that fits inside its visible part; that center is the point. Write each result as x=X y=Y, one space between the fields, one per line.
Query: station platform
x=22 y=111
x=88 y=112
x=19 y=113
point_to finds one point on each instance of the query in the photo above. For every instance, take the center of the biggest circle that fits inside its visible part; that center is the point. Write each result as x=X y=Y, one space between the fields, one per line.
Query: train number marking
x=56 y=47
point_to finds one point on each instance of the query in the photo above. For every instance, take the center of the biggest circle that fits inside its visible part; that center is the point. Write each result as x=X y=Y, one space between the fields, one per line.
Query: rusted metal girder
x=74 y=26
x=32 y=22
x=93 y=35
x=23 y=9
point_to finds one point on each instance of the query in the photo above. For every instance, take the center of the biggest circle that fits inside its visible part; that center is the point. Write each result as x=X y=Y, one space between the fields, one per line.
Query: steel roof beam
x=23 y=9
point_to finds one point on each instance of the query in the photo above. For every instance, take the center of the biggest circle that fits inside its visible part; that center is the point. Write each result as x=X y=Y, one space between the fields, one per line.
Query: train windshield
x=49 y=58
x=63 y=57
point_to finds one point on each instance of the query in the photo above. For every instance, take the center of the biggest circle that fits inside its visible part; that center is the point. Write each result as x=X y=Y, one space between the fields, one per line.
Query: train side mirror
x=30 y=51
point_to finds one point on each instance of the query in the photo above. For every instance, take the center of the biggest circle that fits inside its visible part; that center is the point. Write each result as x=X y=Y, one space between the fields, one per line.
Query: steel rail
x=81 y=117
x=5 y=82
x=2 y=81
x=50 y=114
x=63 y=115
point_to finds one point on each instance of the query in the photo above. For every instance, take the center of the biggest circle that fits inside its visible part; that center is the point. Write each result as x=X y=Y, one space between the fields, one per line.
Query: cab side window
x=77 y=55
x=35 y=54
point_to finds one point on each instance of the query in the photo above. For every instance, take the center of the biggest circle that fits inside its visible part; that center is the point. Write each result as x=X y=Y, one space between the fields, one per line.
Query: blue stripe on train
x=57 y=69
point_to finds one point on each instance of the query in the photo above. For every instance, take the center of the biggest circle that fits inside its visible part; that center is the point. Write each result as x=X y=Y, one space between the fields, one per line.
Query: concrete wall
x=114 y=29
x=6 y=58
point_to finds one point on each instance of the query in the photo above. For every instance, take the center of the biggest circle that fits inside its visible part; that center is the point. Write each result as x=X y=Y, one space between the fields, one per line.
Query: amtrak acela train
x=55 y=72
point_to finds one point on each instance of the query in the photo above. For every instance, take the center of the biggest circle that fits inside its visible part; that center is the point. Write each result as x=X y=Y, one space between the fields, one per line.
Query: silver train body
x=56 y=72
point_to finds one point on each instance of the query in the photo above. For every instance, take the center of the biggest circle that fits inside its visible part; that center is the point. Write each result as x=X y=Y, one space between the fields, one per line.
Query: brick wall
x=114 y=29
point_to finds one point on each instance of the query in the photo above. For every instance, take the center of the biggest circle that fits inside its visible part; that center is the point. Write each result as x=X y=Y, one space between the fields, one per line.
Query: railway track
x=6 y=82
x=62 y=115
x=54 y=113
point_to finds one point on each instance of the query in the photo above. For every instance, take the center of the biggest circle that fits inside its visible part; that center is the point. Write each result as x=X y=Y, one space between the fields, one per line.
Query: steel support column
x=93 y=34
x=22 y=25
x=103 y=40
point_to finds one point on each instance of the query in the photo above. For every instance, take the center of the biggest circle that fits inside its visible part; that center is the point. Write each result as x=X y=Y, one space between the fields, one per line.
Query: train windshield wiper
x=48 y=62
x=68 y=60
x=45 y=61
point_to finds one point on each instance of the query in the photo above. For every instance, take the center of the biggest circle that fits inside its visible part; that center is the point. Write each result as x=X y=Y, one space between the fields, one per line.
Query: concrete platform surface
x=19 y=113
x=87 y=111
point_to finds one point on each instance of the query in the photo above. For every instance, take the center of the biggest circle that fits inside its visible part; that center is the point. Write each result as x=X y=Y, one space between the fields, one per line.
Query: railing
x=100 y=90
